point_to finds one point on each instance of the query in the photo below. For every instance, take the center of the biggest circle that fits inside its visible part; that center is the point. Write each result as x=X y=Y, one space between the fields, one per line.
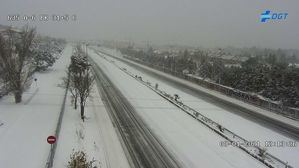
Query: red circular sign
x=51 y=139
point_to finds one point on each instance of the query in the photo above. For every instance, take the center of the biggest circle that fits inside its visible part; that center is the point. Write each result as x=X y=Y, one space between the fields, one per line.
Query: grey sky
x=206 y=23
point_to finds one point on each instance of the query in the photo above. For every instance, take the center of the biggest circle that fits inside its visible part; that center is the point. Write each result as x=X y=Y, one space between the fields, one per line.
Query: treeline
x=276 y=81
x=177 y=63
x=269 y=75
x=22 y=53
x=80 y=78
x=46 y=50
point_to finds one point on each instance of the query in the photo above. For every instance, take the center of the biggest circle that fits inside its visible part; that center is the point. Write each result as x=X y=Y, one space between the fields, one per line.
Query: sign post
x=51 y=139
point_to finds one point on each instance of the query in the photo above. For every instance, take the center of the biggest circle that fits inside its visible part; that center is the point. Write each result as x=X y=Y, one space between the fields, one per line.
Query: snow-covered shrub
x=79 y=159
x=47 y=51
x=43 y=60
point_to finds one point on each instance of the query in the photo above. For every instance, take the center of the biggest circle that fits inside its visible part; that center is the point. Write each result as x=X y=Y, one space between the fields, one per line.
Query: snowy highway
x=287 y=130
x=192 y=144
x=250 y=129
x=282 y=125
x=143 y=149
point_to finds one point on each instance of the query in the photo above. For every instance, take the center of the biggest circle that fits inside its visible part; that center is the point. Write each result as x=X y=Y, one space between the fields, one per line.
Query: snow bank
x=23 y=136
x=192 y=143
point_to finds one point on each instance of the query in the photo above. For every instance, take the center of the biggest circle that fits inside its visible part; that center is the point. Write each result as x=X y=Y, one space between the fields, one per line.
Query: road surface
x=253 y=129
x=143 y=148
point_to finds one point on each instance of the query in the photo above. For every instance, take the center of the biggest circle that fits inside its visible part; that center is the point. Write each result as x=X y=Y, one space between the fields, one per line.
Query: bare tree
x=16 y=61
x=74 y=93
x=81 y=77
x=84 y=89
x=70 y=85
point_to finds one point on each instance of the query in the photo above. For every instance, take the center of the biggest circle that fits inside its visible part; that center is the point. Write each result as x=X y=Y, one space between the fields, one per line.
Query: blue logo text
x=267 y=15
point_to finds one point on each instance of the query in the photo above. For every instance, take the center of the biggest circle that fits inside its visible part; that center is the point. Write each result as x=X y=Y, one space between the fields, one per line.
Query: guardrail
x=50 y=159
x=231 y=92
x=253 y=148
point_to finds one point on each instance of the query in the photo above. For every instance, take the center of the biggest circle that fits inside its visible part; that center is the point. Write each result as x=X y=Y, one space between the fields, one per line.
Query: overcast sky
x=206 y=23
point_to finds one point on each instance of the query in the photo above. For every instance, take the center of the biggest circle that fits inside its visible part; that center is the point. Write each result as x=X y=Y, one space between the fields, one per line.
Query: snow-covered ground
x=267 y=113
x=245 y=128
x=26 y=126
x=96 y=136
x=192 y=143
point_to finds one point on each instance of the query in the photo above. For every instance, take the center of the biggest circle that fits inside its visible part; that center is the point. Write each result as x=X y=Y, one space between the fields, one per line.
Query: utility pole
x=86 y=49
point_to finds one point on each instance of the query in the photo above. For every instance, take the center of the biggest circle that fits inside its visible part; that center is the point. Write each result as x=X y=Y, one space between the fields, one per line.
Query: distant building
x=4 y=28
x=233 y=65
x=186 y=71
x=294 y=64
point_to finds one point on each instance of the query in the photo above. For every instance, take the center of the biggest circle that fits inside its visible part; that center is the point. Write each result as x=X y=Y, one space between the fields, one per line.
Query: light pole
x=86 y=49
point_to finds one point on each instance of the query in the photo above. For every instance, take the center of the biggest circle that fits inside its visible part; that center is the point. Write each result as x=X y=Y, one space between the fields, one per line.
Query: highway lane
x=142 y=147
x=266 y=122
x=183 y=136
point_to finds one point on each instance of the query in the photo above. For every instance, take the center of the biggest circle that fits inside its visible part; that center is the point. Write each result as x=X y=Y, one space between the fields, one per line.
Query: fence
x=50 y=159
x=288 y=112
x=253 y=148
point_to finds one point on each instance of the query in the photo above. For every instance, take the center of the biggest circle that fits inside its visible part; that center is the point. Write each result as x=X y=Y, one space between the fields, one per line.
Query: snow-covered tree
x=46 y=52
x=43 y=59
x=81 y=78
x=16 y=61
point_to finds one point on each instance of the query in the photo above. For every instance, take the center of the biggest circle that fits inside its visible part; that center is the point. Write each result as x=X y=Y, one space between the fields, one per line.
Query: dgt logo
x=267 y=15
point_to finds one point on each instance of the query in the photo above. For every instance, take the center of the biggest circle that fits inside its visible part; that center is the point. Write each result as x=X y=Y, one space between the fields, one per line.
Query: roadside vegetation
x=79 y=159
x=272 y=74
x=80 y=79
x=22 y=53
